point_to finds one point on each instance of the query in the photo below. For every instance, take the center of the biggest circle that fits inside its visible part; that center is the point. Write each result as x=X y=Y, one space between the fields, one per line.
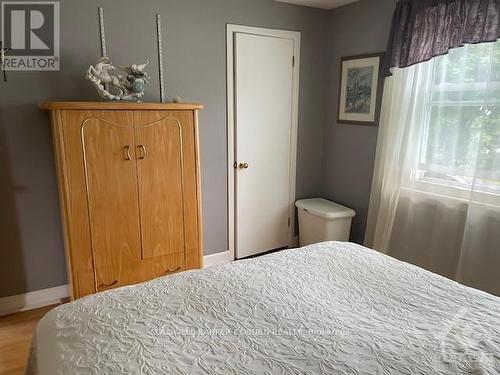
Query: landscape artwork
x=359 y=90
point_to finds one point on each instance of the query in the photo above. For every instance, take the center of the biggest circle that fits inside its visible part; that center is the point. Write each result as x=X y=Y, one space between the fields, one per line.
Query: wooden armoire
x=129 y=186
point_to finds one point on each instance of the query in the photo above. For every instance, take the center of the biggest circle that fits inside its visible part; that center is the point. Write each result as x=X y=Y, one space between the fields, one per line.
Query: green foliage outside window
x=463 y=138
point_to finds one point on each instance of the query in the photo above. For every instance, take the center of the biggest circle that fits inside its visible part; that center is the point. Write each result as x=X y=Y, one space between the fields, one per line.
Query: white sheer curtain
x=435 y=198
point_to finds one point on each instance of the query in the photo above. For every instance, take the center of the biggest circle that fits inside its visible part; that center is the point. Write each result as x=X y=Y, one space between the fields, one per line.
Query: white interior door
x=263 y=126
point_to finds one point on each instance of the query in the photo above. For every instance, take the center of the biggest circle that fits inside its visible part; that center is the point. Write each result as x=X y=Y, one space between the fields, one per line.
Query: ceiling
x=324 y=4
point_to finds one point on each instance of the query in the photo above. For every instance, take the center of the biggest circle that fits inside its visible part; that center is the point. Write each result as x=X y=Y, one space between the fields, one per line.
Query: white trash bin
x=321 y=220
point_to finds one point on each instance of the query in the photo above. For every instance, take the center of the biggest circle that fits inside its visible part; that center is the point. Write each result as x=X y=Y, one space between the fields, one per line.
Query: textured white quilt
x=330 y=308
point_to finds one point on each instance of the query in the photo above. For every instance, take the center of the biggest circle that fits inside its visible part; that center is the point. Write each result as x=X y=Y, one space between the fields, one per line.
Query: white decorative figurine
x=118 y=87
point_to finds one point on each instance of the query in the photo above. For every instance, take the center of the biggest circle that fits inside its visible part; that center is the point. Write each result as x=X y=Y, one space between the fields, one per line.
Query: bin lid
x=325 y=209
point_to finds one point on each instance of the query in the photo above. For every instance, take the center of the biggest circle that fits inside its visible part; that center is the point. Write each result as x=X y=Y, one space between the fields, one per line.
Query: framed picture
x=360 y=89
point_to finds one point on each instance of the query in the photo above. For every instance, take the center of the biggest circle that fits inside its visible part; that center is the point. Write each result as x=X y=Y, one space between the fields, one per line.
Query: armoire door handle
x=172 y=270
x=143 y=152
x=103 y=285
x=127 y=153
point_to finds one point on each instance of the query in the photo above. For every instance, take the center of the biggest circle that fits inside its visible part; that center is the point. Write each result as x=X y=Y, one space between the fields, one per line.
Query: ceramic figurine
x=111 y=86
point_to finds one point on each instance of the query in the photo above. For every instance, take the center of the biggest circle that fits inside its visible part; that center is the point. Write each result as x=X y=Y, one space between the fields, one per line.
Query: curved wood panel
x=110 y=173
x=161 y=184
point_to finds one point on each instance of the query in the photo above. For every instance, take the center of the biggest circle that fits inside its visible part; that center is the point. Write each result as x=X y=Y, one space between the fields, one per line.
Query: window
x=461 y=143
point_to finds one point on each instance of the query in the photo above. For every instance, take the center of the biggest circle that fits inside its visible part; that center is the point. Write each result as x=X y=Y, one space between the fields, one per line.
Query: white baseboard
x=33 y=300
x=51 y=296
x=216 y=259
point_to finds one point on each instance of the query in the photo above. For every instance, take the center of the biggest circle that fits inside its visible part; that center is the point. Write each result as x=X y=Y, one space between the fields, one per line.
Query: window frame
x=440 y=185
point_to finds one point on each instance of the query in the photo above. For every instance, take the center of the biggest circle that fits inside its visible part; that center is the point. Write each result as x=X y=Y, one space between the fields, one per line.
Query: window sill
x=452 y=192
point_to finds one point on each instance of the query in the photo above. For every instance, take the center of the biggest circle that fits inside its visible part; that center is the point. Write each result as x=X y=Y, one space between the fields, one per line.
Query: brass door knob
x=243 y=165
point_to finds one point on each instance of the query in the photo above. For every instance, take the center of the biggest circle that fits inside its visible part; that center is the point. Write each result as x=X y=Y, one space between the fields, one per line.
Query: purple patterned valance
x=423 y=29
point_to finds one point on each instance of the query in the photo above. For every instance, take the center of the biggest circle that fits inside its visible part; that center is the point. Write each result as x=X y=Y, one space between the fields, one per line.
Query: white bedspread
x=331 y=308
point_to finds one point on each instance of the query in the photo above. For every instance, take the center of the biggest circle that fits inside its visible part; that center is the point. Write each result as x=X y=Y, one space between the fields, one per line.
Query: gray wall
x=31 y=247
x=349 y=150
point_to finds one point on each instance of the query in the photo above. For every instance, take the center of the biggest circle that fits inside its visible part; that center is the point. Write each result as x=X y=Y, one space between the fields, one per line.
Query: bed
x=329 y=308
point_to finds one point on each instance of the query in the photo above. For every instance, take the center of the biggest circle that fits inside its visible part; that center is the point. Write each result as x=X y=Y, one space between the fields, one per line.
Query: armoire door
x=112 y=195
x=160 y=159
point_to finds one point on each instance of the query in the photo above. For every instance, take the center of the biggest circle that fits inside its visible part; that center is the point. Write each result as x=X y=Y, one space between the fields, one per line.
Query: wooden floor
x=16 y=331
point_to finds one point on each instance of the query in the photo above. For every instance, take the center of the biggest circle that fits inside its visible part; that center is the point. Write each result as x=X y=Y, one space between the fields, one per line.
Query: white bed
x=330 y=308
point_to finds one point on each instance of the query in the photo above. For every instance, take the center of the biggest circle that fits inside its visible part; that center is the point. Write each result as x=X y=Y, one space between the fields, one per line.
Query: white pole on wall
x=101 y=32
x=160 y=57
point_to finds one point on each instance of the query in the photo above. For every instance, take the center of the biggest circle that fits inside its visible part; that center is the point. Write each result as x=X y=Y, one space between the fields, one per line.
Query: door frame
x=231 y=29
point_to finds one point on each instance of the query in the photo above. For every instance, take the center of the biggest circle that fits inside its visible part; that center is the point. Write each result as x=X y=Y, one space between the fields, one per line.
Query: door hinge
x=293 y=61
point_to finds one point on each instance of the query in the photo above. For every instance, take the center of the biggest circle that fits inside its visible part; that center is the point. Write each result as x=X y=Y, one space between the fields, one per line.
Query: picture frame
x=360 y=89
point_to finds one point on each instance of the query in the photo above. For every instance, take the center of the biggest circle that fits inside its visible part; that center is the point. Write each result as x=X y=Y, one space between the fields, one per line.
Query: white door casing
x=263 y=68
